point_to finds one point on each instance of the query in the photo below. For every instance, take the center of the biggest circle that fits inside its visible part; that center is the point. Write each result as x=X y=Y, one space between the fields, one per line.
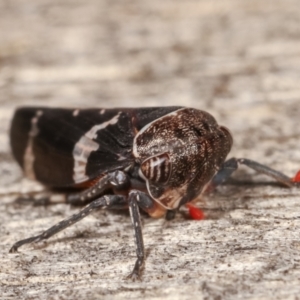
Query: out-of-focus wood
x=237 y=59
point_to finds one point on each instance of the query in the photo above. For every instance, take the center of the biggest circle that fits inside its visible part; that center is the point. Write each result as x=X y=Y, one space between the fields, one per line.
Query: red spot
x=195 y=212
x=297 y=177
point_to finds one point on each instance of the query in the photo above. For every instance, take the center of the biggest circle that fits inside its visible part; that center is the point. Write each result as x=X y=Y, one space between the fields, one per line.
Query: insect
x=154 y=159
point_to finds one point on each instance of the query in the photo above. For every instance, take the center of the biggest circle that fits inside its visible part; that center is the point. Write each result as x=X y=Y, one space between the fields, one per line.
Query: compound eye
x=157 y=169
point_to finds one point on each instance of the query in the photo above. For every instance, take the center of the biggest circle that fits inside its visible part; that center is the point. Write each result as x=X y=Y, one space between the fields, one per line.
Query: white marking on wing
x=121 y=157
x=28 y=154
x=76 y=112
x=85 y=146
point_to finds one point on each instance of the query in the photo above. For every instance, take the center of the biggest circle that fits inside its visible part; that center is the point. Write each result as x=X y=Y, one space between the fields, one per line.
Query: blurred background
x=207 y=54
x=239 y=60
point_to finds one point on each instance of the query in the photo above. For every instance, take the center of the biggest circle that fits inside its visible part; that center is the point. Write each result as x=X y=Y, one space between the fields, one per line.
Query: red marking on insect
x=297 y=177
x=195 y=212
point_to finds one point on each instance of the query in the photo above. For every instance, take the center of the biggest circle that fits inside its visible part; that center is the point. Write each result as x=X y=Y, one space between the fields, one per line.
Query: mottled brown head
x=179 y=153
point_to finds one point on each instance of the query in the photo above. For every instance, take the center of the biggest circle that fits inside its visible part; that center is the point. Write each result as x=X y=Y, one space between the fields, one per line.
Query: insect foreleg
x=137 y=200
x=108 y=201
x=232 y=164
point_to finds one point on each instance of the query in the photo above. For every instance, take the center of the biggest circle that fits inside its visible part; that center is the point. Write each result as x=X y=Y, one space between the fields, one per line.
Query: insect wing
x=63 y=147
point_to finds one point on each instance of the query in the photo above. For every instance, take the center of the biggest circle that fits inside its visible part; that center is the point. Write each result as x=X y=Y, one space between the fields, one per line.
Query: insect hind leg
x=232 y=164
x=108 y=201
x=114 y=180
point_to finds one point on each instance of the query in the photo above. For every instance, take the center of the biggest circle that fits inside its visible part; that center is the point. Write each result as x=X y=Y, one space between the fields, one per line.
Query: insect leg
x=138 y=200
x=170 y=215
x=117 y=179
x=109 y=201
x=232 y=164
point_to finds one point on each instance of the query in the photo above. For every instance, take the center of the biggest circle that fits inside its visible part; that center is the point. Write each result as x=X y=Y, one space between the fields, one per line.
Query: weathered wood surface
x=237 y=59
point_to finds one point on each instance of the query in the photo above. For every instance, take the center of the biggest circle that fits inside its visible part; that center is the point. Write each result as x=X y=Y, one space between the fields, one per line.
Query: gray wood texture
x=239 y=60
